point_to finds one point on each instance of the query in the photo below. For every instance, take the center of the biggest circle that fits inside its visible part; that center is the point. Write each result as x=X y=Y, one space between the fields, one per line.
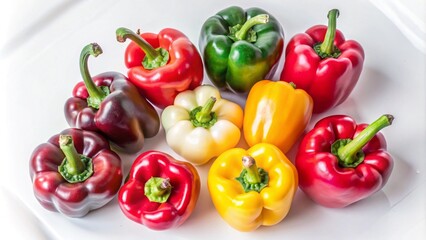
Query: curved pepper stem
x=245 y=32
x=252 y=178
x=96 y=94
x=158 y=189
x=75 y=167
x=327 y=48
x=154 y=58
x=349 y=152
x=203 y=116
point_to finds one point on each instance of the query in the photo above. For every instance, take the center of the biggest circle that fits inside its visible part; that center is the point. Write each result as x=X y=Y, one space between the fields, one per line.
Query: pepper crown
x=158 y=189
x=252 y=178
x=75 y=167
x=96 y=94
x=154 y=58
x=349 y=151
x=245 y=31
x=202 y=116
x=327 y=49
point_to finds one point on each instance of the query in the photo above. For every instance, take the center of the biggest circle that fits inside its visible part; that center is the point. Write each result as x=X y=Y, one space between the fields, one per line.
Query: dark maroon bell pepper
x=75 y=172
x=111 y=105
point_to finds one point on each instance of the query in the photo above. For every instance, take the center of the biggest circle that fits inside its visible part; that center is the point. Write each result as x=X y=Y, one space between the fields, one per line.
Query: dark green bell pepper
x=241 y=47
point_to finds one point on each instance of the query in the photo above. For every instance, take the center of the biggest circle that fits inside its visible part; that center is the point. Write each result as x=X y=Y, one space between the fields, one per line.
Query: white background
x=39 y=49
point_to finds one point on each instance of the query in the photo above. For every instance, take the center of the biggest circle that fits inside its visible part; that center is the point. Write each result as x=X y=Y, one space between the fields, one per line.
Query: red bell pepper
x=324 y=64
x=340 y=162
x=109 y=104
x=75 y=172
x=162 y=65
x=160 y=192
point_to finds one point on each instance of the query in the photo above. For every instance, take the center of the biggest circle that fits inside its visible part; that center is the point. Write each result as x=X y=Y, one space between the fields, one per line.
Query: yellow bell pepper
x=276 y=113
x=253 y=187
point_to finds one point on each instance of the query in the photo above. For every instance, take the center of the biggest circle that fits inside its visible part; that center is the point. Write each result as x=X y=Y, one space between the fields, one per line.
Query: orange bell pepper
x=276 y=113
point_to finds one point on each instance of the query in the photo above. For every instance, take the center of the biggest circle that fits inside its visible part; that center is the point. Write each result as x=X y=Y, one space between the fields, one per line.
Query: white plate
x=40 y=52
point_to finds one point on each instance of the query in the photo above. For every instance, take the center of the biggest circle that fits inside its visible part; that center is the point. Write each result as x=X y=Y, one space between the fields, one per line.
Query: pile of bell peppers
x=338 y=161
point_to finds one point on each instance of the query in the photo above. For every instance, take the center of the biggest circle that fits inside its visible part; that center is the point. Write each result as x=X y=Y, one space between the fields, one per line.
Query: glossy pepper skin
x=237 y=55
x=340 y=162
x=109 y=104
x=276 y=113
x=201 y=124
x=167 y=204
x=324 y=64
x=265 y=201
x=75 y=199
x=162 y=65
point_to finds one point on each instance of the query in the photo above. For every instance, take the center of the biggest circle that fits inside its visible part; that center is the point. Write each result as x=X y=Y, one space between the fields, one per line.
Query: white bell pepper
x=200 y=125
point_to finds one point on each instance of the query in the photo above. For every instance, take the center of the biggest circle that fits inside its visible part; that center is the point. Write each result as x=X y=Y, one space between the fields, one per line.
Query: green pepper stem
x=259 y=19
x=327 y=46
x=95 y=93
x=252 y=175
x=158 y=189
x=154 y=58
x=125 y=33
x=204 y=115
x=347 y=152
x=75 y=165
